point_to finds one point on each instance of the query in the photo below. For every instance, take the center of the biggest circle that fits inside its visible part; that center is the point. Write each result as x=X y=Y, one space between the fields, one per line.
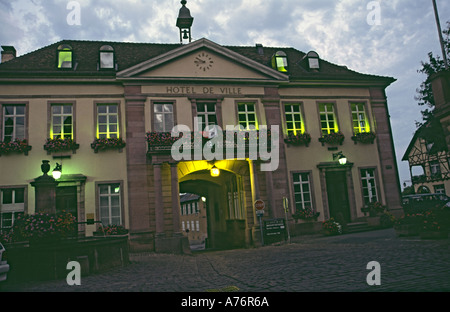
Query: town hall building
x=102 y=113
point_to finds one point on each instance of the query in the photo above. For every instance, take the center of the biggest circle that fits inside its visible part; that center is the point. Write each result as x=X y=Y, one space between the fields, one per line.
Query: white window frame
x=298 y=179
x=109 y=195
x=371 y=185
x=15 y=208
x=162 y=126
x=14 y=117
x=61 y=115
x=108 y=134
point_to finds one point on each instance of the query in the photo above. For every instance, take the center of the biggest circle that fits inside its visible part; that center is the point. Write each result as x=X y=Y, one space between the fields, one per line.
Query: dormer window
x=279 y=61
x=65 y=56
x=313 y=60
x=107 y=57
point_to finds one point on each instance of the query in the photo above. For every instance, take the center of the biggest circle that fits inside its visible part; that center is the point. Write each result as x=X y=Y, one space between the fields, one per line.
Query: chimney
x=8 y=53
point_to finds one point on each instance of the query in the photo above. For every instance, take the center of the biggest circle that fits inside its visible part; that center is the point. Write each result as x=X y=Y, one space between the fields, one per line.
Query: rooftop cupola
x=184 y=22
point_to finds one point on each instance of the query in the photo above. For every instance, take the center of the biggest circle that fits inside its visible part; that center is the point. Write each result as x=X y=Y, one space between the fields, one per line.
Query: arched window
x=279 y=61
x=313 y=60
x=107 y=57
x=65 y=56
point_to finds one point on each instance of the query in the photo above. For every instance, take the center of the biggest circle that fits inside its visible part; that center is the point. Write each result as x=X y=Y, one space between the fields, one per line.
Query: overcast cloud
x=337 y=30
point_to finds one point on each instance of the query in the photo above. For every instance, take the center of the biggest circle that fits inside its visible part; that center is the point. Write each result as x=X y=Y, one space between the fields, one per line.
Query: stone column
x=45 y=191
x=159 y=205
x=175 y=198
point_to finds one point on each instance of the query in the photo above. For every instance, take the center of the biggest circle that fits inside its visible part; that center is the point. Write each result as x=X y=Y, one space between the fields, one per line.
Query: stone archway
x=228 y=200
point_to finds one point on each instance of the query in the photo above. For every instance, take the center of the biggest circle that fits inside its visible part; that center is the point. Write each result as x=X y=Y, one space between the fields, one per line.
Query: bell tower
x=184 y=23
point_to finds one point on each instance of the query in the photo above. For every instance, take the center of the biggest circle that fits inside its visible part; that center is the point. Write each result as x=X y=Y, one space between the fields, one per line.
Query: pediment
x=202 y=59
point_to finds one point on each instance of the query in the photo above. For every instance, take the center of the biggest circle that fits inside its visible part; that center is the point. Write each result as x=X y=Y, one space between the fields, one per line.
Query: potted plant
x=60 y=145
x=16 y=146
x=432 y=227
x=331 y=227
x=409 y=224
x=112 y=229
x=305 y=214
x=107 y=143
x=43 y=228
x=298 y=139
x=334 y=138
x=364 y=137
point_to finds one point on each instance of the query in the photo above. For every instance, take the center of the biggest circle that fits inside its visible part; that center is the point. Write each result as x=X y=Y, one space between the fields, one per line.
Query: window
x=163 y=117
x=13 y=122
x=313 y=60
x=359 y=117
x=247 y=116
x=110 y=206
x=435 y=168
x=279 y=61
x=294 y=120
x=12 y=205
x=62 y=121
x=369 y=186
x=197 y=225
x=107 y=57
x=108 y=121
x=65 y=56
x=328 y=122
x=439 y=189
x=302 y=191
x=206 y=112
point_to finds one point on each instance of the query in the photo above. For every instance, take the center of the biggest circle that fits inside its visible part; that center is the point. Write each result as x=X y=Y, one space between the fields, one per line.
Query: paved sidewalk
x=308 y=264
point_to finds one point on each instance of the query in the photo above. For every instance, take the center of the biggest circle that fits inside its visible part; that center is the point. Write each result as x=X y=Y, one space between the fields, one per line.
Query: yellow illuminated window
x=107 y=121
x=247 y=116
x=64 y=56
x=294 y=119
x=359 y=117
x=62 y=122
x=279 y=61
x=328 y=122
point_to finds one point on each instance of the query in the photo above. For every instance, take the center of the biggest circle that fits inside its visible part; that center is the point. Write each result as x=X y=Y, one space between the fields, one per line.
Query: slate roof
x=187 y=197
x=42 y=62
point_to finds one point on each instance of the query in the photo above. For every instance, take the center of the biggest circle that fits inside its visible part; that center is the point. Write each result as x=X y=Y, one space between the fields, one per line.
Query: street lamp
x=215 y=172
x=56 y=173
x=340 y=157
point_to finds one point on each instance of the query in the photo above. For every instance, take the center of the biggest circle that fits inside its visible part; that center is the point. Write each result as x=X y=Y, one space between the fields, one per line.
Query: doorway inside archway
x=218 y=219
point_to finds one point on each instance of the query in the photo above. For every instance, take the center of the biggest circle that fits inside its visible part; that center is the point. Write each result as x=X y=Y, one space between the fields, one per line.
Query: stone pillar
x=45 y=191
x=386 y=151
x=175 y=198
x=159 y=205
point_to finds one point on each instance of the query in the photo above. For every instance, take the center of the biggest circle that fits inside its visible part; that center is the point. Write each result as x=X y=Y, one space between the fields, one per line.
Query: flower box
x=60 y=145
x=17 y=146
x=364 y=137
x=336 y=138
x=298 y=139
x=106 y=144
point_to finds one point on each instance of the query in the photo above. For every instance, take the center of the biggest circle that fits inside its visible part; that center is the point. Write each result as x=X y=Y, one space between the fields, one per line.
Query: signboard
x=259 y=207
x=274 y=230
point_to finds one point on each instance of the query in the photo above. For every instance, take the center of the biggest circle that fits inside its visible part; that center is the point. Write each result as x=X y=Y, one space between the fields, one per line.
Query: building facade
x=115 y=104
x=428 y=152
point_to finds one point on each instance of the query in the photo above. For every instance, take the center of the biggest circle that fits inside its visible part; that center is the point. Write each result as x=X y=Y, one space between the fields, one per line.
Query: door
x=337 y=192
x=66 y=200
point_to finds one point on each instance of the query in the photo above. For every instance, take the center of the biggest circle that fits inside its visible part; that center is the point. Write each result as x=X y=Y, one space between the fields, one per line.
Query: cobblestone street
x=307 y=264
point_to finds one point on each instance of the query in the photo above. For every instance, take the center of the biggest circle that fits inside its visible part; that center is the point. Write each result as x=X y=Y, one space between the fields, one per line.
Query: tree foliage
x=433 y=65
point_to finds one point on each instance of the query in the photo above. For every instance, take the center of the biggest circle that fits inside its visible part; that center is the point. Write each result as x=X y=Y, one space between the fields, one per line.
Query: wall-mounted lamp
x=56 y=173
x=203 y=199
x=340 y=157
x=215 y=172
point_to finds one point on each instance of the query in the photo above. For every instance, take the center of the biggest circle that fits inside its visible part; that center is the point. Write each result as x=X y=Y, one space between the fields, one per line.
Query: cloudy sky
x=385 y=37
